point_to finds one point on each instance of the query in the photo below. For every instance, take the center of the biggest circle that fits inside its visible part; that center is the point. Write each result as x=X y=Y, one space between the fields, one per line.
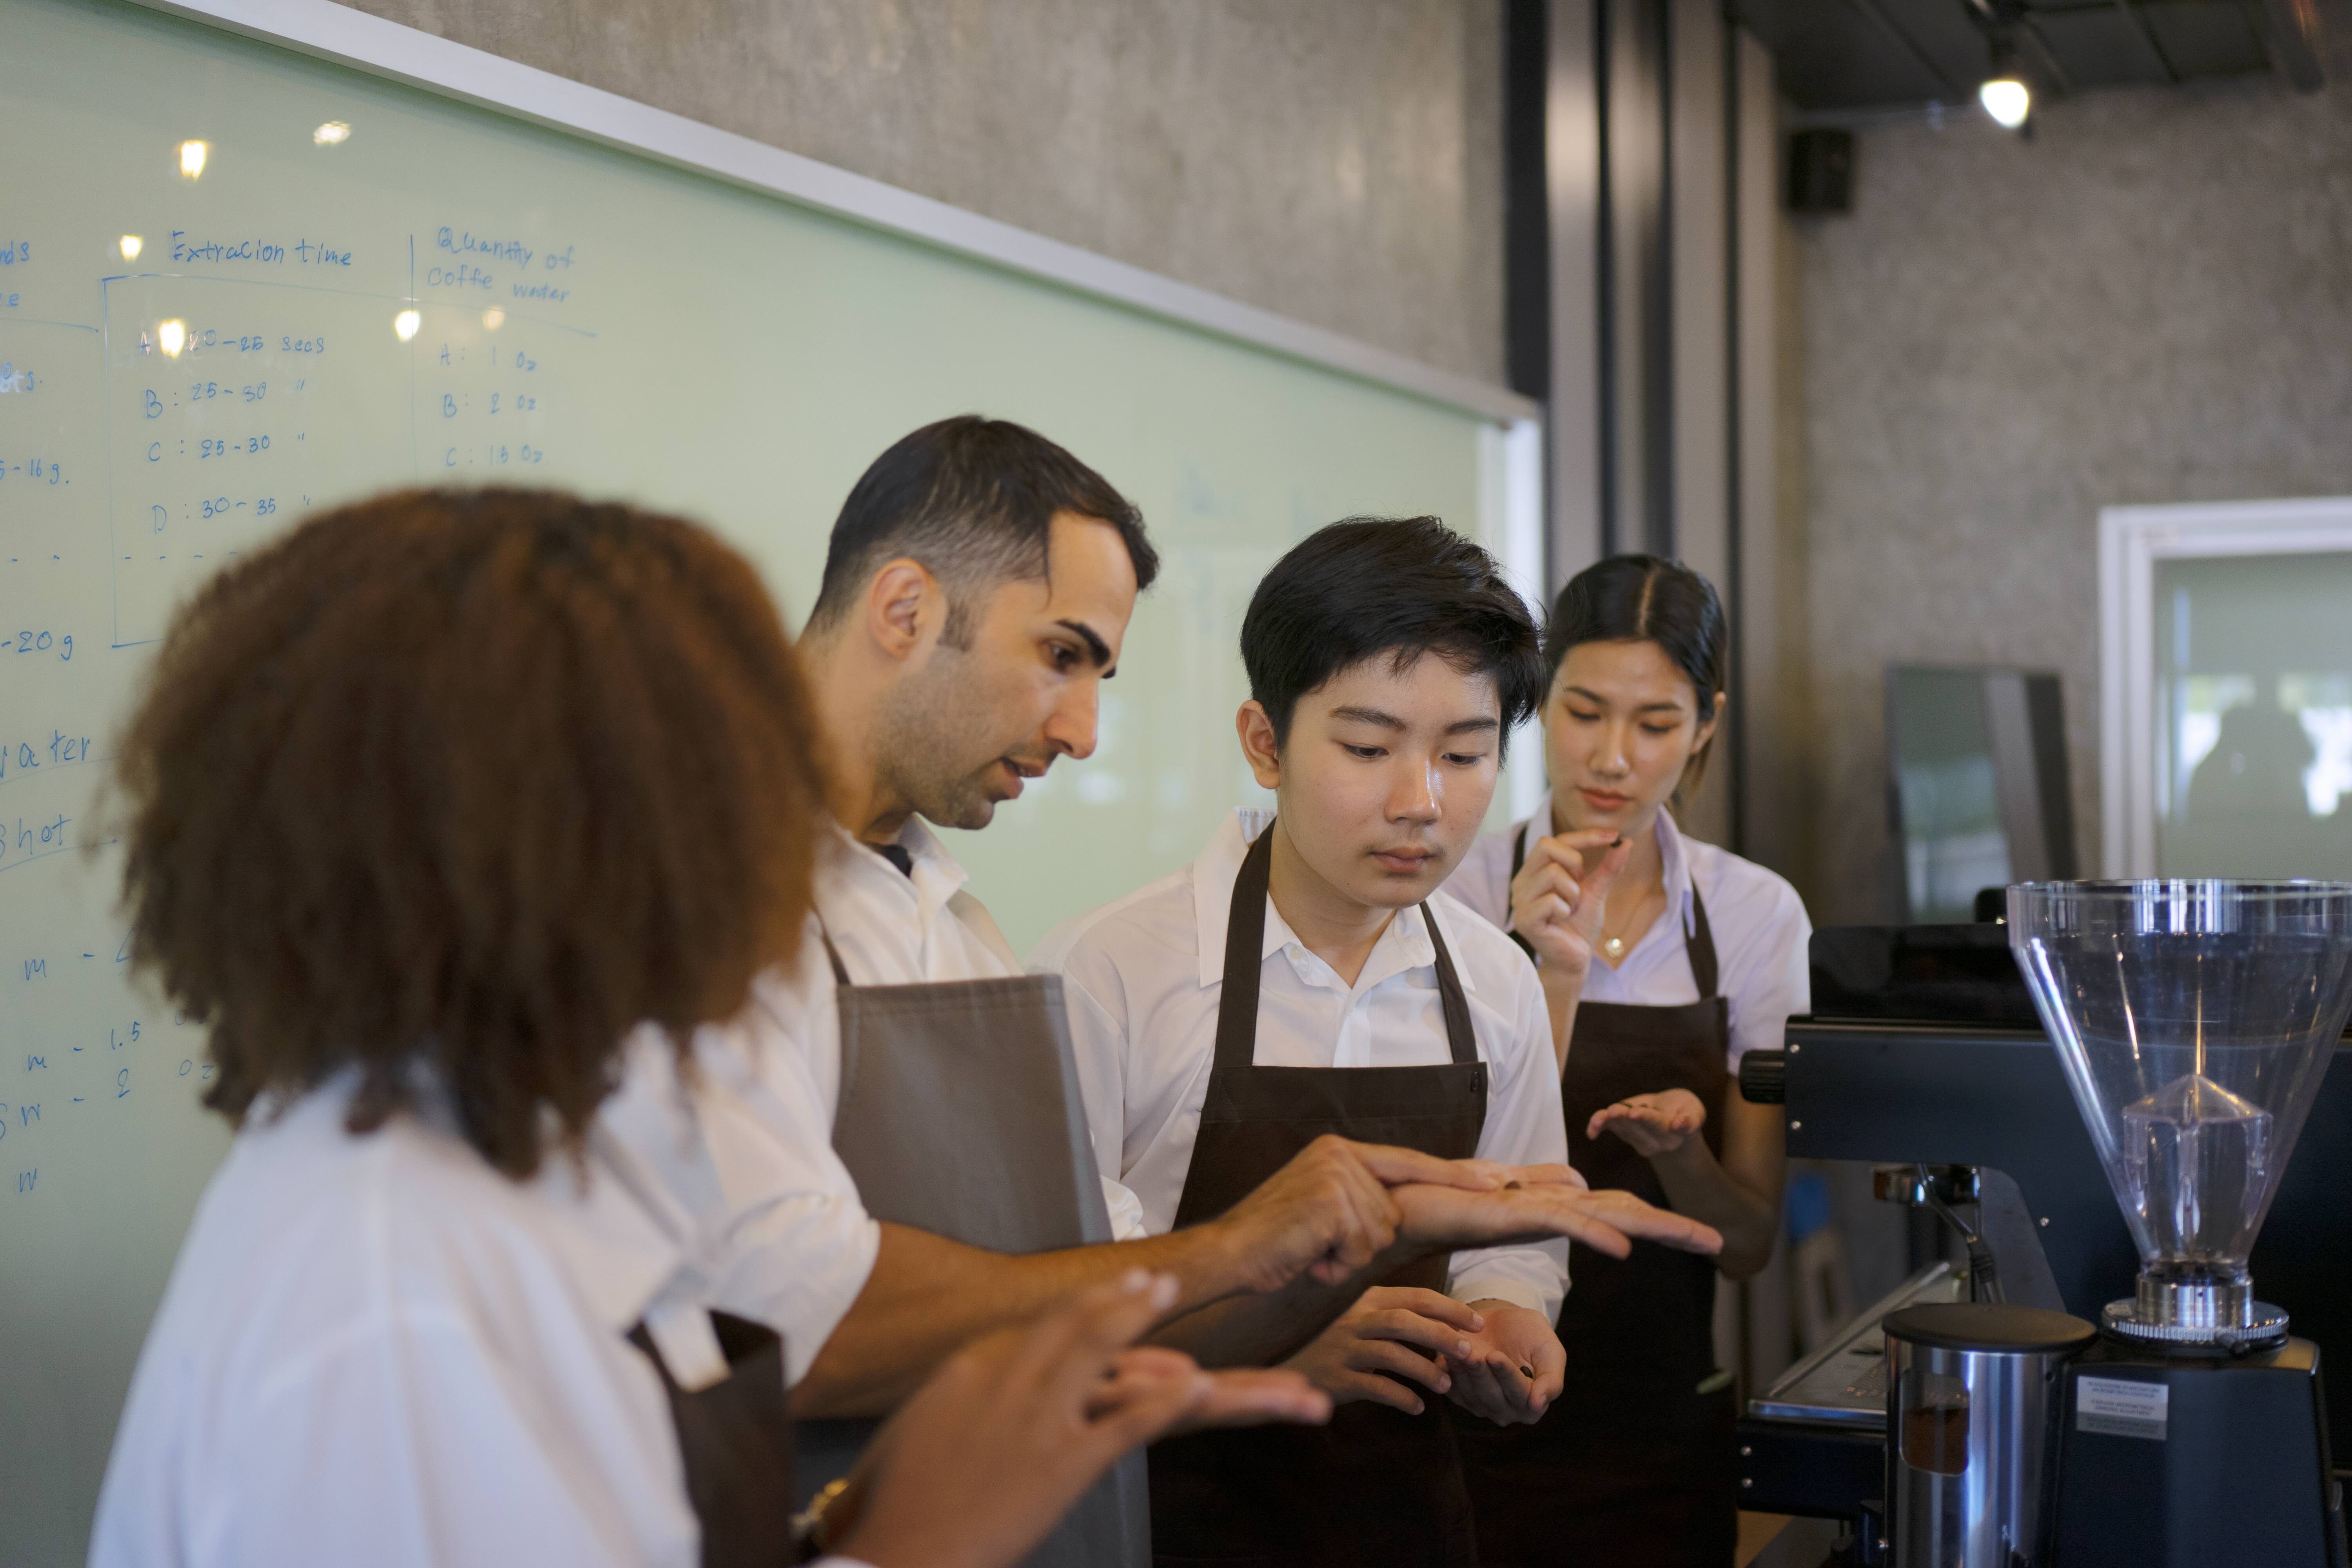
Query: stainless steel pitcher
x=1973 y=1396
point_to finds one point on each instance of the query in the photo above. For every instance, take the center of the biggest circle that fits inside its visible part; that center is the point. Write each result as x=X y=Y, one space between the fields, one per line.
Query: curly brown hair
x=471 y=783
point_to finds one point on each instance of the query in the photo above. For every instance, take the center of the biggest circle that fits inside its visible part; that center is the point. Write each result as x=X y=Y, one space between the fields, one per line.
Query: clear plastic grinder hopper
x=2195 y=1020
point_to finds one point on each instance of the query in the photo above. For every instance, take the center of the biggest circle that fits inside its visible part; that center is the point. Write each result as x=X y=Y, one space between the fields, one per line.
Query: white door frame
x=2131 y=540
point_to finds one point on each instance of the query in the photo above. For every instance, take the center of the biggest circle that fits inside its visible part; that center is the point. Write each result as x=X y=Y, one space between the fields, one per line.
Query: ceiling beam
x=2148 y=36
x=2057 y=67
x=1886 y=23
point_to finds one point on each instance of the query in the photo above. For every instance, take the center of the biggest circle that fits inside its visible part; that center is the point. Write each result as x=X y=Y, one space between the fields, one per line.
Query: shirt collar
x=938 y=876
x=1404 y=945
x=919 y=840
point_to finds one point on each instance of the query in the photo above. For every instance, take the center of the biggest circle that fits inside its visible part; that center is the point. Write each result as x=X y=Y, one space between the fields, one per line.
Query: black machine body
x=1923 y=1048
x=2168 y=1461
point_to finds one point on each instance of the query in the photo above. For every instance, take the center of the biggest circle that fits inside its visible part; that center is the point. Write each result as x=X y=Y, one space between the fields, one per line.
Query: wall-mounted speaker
x=1820 y=171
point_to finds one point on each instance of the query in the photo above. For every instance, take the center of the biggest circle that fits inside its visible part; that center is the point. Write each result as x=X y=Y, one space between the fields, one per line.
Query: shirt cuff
x=1530 y=1277
x=1125 y=1212
x=1496 y=1287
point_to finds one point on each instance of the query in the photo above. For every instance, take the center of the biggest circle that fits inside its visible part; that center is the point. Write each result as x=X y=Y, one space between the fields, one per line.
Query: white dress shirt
x=1142 y=978
x=747 y=1150
x=375 y=1350
x=1758 y=922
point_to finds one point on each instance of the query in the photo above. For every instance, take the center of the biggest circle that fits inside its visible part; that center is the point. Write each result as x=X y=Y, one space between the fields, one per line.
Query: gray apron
x=960 y=1115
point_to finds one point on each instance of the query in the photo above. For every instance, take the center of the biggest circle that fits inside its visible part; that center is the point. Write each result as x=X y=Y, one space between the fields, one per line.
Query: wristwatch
x=821 y=1524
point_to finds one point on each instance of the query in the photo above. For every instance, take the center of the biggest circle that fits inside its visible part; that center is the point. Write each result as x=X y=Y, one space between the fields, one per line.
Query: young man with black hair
x=1305 y=976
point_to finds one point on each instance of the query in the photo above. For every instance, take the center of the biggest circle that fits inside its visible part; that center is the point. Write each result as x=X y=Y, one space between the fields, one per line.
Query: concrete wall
x=2150 y=301
x=1338 y=160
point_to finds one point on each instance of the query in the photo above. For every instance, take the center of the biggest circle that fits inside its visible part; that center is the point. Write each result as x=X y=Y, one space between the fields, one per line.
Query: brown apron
x=1633 y=1466
x=960 y=1115
x=1376 y=1486
x=735 y=1440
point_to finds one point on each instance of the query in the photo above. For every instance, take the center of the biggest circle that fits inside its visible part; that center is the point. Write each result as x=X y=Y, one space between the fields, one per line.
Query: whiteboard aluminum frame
x=1518 y=540
x=396 y=53
x=2132 y=541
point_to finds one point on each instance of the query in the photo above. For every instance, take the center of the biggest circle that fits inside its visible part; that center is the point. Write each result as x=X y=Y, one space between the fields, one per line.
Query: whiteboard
x=363 y=284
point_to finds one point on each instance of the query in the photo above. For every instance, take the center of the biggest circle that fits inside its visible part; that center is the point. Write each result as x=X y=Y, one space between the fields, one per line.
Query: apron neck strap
x=1700 y=946
x=1461 y=1043
x=1519 y=864
x=832 y=953
x=1245 y=936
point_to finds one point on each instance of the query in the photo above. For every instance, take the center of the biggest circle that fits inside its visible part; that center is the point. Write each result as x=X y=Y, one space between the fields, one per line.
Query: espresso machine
x=2099 y=1097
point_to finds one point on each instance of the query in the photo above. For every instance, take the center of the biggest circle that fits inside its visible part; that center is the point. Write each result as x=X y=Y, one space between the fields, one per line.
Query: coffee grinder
x=2194 y=1021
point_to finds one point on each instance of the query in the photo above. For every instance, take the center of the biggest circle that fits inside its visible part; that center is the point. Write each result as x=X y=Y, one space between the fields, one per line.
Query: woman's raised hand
x=1557 y=905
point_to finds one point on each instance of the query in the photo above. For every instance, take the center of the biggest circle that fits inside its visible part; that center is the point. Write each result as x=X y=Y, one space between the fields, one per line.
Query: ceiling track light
x=2005 y=95
x=2008 y=99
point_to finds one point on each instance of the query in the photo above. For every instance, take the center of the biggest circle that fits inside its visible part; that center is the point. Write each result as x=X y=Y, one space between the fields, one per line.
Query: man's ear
x=904 y=606
x=1256 y=729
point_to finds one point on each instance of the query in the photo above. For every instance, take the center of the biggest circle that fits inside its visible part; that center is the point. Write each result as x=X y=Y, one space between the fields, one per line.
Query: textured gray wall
x=2150 y=301
x=1338 y=160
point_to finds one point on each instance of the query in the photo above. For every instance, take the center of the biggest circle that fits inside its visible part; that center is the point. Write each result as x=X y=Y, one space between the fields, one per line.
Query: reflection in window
x=2323 y=703
x=1956 y=848
x=2199 y=702
x=2254 y=702
x=1950 y=731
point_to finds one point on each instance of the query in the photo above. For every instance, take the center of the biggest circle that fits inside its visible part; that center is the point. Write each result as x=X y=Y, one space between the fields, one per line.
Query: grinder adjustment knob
x=1764 y=1078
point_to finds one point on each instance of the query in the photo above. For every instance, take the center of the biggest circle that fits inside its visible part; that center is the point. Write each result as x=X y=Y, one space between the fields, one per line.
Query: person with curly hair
x=445 y=814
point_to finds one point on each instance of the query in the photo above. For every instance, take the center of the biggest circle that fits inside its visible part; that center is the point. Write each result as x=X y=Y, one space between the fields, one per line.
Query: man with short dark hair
x=1305 y=977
